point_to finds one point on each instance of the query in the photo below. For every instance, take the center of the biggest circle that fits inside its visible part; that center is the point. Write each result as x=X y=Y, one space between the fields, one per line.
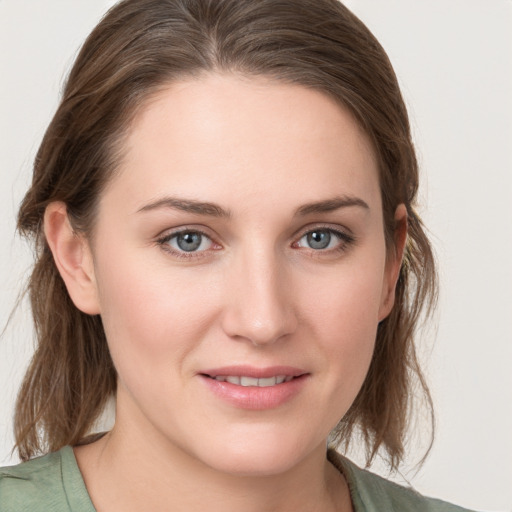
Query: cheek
x=347 y=302
x=151 y=315
x=343 y=314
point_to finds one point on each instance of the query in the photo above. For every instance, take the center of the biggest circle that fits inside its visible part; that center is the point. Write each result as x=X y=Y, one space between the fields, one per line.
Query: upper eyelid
x=170 y=232
x=337 y=229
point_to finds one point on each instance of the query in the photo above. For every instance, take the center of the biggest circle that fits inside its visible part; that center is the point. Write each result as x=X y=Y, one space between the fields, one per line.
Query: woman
x=223 y=208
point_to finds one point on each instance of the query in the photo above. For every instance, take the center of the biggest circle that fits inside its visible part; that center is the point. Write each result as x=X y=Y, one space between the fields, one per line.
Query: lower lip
x=253 y=397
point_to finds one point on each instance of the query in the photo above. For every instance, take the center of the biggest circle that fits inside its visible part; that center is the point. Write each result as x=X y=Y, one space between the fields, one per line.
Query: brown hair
x=139 y=47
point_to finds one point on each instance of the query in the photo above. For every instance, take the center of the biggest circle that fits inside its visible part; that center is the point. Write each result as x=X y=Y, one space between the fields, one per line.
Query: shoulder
x=33 y=485
x=372 y=493
x=42 y=484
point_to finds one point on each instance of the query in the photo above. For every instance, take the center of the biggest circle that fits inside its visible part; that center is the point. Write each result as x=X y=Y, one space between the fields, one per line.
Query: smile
x=255 y=388
x=253 y=381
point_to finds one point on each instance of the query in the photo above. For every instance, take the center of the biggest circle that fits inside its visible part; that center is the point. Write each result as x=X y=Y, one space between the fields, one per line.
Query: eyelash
x=345 y=241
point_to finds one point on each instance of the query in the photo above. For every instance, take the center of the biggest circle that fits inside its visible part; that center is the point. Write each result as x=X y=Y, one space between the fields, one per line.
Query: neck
x=121 y=473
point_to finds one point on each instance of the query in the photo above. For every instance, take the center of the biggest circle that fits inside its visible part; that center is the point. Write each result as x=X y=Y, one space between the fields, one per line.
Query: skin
x=255 y=293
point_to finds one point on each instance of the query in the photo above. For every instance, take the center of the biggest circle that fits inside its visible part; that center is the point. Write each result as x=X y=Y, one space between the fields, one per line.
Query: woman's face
x=241 y=272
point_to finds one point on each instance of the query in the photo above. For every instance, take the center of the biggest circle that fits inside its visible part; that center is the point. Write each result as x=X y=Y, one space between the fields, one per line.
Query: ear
x=394 y=262
x=73 y=258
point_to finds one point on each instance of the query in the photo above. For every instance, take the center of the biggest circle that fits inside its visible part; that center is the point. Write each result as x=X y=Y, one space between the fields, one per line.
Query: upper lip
x=255 y=372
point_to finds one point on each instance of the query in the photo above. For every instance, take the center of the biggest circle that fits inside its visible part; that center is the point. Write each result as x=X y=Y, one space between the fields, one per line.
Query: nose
x=260 y=305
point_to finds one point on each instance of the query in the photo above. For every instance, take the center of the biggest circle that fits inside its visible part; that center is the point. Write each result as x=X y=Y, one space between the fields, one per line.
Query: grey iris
x=189 y=241
x=319 y=239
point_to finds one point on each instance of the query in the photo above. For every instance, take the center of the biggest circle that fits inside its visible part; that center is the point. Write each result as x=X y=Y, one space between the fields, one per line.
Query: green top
x=54 y=483
x=50 y=483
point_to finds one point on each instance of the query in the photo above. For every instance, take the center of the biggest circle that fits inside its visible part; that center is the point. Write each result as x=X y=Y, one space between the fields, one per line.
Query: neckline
x=348 y=470
x=74 y=485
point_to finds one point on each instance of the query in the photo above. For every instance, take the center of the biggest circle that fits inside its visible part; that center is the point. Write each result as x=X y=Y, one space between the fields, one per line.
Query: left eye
x=320 y=239
x=189 y=241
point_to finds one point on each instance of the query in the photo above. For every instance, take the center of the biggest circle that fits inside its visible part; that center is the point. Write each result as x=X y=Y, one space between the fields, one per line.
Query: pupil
x=319 y=239
x=189 y=241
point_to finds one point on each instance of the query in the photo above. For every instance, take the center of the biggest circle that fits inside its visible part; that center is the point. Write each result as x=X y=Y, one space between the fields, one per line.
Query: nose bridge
x=260 y=307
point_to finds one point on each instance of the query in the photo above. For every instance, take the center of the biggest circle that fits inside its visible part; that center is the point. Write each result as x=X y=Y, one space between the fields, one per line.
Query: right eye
x=187 y=241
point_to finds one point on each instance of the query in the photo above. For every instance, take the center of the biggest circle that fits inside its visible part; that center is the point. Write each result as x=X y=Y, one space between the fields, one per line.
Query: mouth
x=254 y=377
x=253 y=388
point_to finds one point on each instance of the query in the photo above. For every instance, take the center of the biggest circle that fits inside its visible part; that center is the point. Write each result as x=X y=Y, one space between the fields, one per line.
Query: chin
x=257 y=456
x=255 y=464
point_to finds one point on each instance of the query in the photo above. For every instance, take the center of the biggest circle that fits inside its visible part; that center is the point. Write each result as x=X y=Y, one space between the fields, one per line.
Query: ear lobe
x=73 y=258
x=394 y=262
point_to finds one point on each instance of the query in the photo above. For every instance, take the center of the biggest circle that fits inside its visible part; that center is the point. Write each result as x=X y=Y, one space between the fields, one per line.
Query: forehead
x=252 y=136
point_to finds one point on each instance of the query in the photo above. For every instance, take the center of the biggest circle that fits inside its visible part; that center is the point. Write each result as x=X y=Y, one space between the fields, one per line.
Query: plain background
x=454 y=61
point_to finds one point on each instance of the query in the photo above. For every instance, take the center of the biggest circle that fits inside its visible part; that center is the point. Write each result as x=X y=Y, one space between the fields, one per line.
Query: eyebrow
x=214 y=210
x=187 y=205
x=330 y=205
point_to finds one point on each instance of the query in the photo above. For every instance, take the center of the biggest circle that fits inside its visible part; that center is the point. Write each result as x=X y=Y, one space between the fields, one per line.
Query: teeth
x=270 y=381
x=252 y=381
x=248 y=381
